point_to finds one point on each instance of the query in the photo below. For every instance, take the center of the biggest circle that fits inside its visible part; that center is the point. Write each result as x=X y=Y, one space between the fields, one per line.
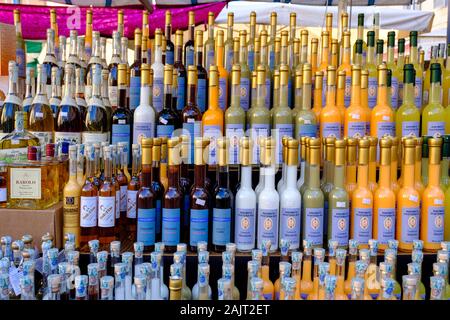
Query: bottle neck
x=382 y=95
x=213 y=97
x=199 y=55
x=331 y=96
x=433 y=175
x=219 y=56
x=283 y=95
x=246 y=177
x=414 y=56
x=339 y=176
x=435 y=93
x=223 y=180
x=243 y=55
x=199 y=176
x=362 y=176
x=385 y=176
x=192 y=94
x=370 y=54
x=346 y=57
x=408 y=93
x=269 y=178
x=306 y=99
x=235 y=96
x=356 y=95
x=174 y=176
x=408 y=175
x=390 y=55
x=314 y=176
x=167 y=96
x=137 y=54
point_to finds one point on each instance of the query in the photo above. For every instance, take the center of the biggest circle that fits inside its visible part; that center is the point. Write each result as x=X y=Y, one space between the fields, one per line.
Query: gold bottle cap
x=191 y=18
x=168 y=70
x=284 y=38
x=363 y=157
x=137 y=37
x=243 y=38
x=356 y=75
x=394 y=149
x=164 y=141
x=236 y=74
x=303 y=147
x=334 y=46
x=284 y=143
x=409 y=145
x=175 y=287
x=223 y=143
x=364 y=79
x=284 y=75
x=298 y=79
x=292 y=152
x=329 y=19
x=146 y=77
x=341 y=79
x=325 y=36
x=219 y=39
x=277 y=44
x=276 y=79
x=89 y=16
x=314 y=151
x=122 y=74
x=268 y=151
x=307 y=73
x=339 y=157
x=211 y=18
x=144 y=40
x=168 y=17
x=253 y=18
x=382 y=75
x=173 y=144
x=331 y=75
x=273 y=18
x=263 y=38
x=419 y=142
x=346 y=36
x=198 y=151
x=192 y=75
x=351 y=149
x=373 y=149
x=254 y=77
x=330 y=142
x=213 y=76
x=16 y=16
x=318 y=83
x=185 y=143
x=236 y=44
x=244 y=151
x=314 y=45
x=179 y=38
x=293 y=19
x=156 y=150
x=158 y=37
x=385 y=151
x=147 y=144
x=261 y=75
x=304 y=38
x=230 y=19
x=434 y=150
x=198 y=39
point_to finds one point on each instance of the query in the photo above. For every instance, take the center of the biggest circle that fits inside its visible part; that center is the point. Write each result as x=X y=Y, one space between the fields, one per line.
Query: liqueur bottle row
x=301 y=275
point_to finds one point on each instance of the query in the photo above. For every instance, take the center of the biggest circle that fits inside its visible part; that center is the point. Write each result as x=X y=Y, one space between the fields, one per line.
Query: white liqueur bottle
x=158 y=73
x=144 y=115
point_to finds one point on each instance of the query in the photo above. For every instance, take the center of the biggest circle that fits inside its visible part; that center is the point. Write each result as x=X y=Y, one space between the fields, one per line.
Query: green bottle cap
x=380 y=45
x=391 y=39
x=361 y=19
x=371 y=38
x=446 y=147
x=389 y=78
x=409 y=74
x=359 y=45
x=413 y=38
x=401 y=45
x=435 y=73
x=425 y=147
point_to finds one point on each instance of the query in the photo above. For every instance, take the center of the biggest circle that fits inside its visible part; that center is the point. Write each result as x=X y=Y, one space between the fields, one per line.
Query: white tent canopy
x=314 y=16
x=304 y=2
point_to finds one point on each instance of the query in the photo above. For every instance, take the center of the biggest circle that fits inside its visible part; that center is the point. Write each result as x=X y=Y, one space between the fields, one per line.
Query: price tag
x=200 y=202
x=438 y=202
x=190 y=120
x=15 y=141
x=122 y=121
x=14 y=279
x=355 y=116
x=340 y=204
x=39 y=114
x=307 y=121
x=385 y=118
x=413 y=198
x=64 y=114
x=162 y=120
x=366 y=201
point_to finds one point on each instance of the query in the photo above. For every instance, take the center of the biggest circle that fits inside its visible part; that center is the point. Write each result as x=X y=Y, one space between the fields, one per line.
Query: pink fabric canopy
x=36 y=19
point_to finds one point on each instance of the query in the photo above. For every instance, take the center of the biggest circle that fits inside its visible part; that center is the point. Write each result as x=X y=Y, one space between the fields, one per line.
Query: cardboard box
x=7 y=46
x=17 y=222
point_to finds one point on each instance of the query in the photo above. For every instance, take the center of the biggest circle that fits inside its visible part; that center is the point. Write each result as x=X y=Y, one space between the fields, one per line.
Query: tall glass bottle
x=355 y=117
x=144 y=114
x=172 y=199
x=318 y=101
x=49 y=62
x=209 y=44
x=12 y=103
x=407 y=117
x=168 y=119
x=30 y=89
x=202 y=75
x=135 y=72
x=106 y=202
x=170 y=48
x=330 y=116
x=132 y=190
x=157 y=186
x=433 y=115
x=414 y=60
x=181 y=71
x=189 y=49
x=245 y=71
x=20 y=53
x=431 y=226
x=273 y=32
x=306 y=122
x=40 y=122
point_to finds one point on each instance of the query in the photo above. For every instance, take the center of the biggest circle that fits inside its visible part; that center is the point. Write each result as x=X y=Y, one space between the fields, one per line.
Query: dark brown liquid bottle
x=157 y=186
x=133 y=188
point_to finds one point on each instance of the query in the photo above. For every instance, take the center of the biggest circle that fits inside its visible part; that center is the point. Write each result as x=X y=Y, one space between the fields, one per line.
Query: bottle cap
x=102 y=259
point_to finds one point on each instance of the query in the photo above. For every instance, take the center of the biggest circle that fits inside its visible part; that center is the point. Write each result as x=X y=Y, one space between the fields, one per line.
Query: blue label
x=213 y=133
x=410 y=224
x=418 y=92
x=284 y=129
x=221 y=226
x=331 y=129
x=169 y=57
x=181 y=91
x=362 y=225
x=245 y=93
x=199 y=226
x=340 y=220
x=135 y=92
x=234 y=132
x=142 y=130
x=372 y=92
x=410 y=128
x=356 y=129
x=21 y=61
x=348 y=91
x=290 y=225
x=386 y=225
x=189 y=57
x=54 y=110
x=268 y=93
x=271 y=60
x=268 y=226
x=314 y=226
x=209 y=59
x=436 y=128
x=164 y=130
x=229 y=56
x=186 y=208
x=171 y=226
x=307 y=130
x=245 y=228
x=201 y=94
x=158 y=93
x=158 y=215
x=121 y=133
x=435 y=232
x=394 y=93
x=251 y=60
x=194 y=130
x=223 y=93
x=146 y=223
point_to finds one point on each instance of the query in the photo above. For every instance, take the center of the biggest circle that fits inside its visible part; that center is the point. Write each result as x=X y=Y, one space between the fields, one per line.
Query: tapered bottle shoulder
x=246 y=197
x=313 y=196
x=259 y=115
x=338 y=194
x=282 y=114
x=234 y=115
x=384 y=194
x=306 y=117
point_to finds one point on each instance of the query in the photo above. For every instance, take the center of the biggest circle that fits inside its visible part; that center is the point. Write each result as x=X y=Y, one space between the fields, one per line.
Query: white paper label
x=366 y=201
x=162 y=120
x=25 y=183
x=106 y=211
x=413 y=198
x=340 y=204
x=200 y=202
x=94 y=137
x=88 y=212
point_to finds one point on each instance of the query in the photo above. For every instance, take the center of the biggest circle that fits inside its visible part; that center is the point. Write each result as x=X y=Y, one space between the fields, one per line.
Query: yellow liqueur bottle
x=298 y=93
x=365 y=98
x=372 y=68
x=352 y=257
x=350 y=171
x=346 y=67
x=325 y=54
x=355 y=116
x=340 y=96
x=433 y=115
x=71 y=199
x=418 y=167
x=414 y=60
x=306 y=282
x=394 y=165
x=390 y=63
x=407 y=117
x=432 y=215
x=408 y=201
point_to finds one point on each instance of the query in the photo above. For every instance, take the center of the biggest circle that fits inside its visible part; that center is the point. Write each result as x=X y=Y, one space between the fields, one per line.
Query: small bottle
x=409 y=287
x=107 y=288
x=81 y=287
x=357 y=289
x=265 y=263
x=285 y=272
x=372 y=273
x=224 y=289
x=332 y=246
x=324 y=269
x=127 y=258
x=54 y=281
x=437 y=288
x=306 y=283
x=120 y=270
x=256 y=285
x=252 y=272
x=102 y=260
x=26 y=286
x=4 y=286
x=93 y=287
x=330 y=287
x=319 y=256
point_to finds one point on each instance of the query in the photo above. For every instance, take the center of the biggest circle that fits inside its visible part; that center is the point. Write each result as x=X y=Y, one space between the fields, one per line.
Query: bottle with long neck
x=414 y=60
x=93 y=60
x=398 y=72
x=324 y=60
x=372 y=68
x=157 y=187
x=330 y=116
x=382 y=116
x=251 y=46
x=170 y=48
x=71 y=198
x=273 y=32
x=360 y=36
x=228 y=45
x=144 y=114
x=172 y=198
x=106 y=202
x=49 y=62
x=306 y=122
x=223 y=73
x=235 y=117
x=12 y=103
x=245 y=223
x=180 y=70
x=338 y=199
x=408 y=200
x=362 y=200
x=355 y=116
x=131 y=195
x=431 y=232
x=201 y=72
x=189 y=49
x=407 y=117
x=135 y=72
x=30 y=89
x=245 y=71
x=209 y=44
x=394 y=69
x=346 y=66
x=20 y=53
x=319 y=273
x=168 y=119
x=158 y=74
x=318 y=99
x=298 y=93
x=40 y=122
x=433 y=115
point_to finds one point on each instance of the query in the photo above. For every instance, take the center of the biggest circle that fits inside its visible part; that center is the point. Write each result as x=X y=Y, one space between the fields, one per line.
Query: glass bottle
x=26 y=286
x=407 y=117
x=433 y=123
x=180 y=71
x=168 y=119
x=189 y=49
x=157 y=186
x=12 y=101
x=107 y=202
x=330 y=116
x=245 y=71
x=228 y=45
x=318 y=99
x=285 y=272
x=30 y=89
x=144 y=114
x=355 y=116
x=409 y=287
x=202 y=76
x=445 y=161
x=437 y=285
x=319 y=256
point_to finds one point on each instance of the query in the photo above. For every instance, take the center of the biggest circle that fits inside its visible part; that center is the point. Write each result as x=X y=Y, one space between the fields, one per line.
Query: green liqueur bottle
x=306 y=121
x=433 y=115
x=407 y=117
